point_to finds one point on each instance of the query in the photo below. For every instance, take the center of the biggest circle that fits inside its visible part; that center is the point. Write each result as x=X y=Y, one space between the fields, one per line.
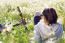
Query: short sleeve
x=37 y=35
x=59 y=31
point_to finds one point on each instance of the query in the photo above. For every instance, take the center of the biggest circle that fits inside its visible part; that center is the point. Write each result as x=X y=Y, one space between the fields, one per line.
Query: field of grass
x=9 y=13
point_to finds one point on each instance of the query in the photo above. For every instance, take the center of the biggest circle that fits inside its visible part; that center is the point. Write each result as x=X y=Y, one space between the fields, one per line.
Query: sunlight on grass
x=9 y=13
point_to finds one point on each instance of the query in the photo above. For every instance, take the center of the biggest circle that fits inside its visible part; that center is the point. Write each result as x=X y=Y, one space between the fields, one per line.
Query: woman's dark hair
x=50 y=15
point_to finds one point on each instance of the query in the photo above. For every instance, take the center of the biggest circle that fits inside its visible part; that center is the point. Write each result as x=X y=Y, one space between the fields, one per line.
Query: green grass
x=19 y=34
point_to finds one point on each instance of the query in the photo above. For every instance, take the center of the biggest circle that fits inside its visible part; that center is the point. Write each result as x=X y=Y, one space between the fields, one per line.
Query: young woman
x=48 y=30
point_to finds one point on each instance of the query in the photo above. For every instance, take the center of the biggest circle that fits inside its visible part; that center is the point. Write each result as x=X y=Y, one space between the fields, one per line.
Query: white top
x=47 y=33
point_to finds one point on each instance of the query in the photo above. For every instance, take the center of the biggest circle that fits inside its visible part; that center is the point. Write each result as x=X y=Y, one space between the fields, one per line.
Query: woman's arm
x=59 y=31
x=37 y=36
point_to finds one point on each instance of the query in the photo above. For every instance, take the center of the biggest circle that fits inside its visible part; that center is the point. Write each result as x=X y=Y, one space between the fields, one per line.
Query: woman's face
x=44 y=19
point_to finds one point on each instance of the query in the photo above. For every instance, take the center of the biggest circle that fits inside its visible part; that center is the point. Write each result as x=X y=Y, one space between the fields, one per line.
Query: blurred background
x=10 y=14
